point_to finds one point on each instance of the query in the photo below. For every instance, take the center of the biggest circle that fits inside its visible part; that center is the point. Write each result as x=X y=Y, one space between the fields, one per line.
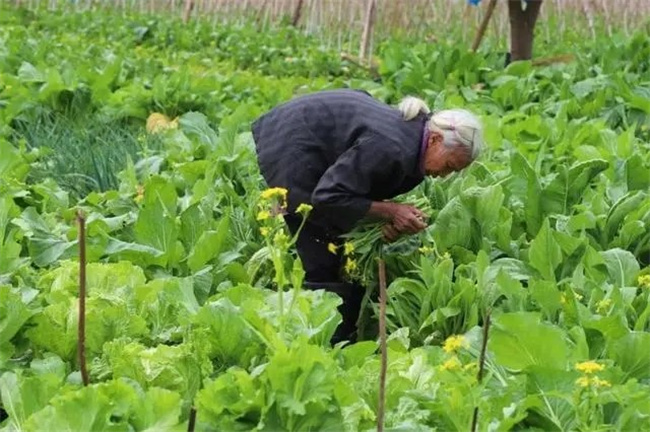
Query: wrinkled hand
x=406 y=219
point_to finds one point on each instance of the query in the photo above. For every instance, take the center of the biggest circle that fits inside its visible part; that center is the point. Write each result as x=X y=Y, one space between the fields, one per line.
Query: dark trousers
x=319 y=263
x=323 y=270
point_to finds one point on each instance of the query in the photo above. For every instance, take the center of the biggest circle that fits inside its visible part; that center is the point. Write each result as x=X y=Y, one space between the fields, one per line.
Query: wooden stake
x=81 y=339
x=189 y=5
x=590 y=19
x=296 y=13
x=484 y=24
x=367 y=30
x=382 y=345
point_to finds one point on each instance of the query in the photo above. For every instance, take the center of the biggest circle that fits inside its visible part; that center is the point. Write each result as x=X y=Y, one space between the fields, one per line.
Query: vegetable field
x=127 y=168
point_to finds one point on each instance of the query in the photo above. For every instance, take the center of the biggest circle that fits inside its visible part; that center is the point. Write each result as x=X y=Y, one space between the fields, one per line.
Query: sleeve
x=342 y=193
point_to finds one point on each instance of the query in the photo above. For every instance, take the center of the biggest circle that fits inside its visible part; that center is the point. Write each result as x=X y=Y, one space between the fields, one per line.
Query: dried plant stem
x=81 y=339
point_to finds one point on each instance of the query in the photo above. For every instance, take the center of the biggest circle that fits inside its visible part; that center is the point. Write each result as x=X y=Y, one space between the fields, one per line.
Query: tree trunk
x=522 y=28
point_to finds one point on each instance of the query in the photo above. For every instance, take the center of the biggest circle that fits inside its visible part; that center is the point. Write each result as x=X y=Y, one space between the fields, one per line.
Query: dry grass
x=340 y=22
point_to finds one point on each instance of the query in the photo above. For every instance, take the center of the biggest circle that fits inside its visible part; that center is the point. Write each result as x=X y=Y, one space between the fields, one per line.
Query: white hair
x=459 y=127
x=411 y=106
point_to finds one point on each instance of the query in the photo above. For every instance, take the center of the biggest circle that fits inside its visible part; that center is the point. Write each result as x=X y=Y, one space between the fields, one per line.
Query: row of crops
x=195 y=311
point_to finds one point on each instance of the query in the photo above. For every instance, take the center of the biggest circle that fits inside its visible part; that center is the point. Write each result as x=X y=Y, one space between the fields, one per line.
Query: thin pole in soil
x=81 y=341
x=382 y=345
x=371 y=11
x=484 y=24
x=297 y=13
x=481 y=364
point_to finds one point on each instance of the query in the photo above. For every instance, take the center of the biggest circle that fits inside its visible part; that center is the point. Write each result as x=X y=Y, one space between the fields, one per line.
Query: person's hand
x=408 y=219
x=405 y=219
x=390 y=233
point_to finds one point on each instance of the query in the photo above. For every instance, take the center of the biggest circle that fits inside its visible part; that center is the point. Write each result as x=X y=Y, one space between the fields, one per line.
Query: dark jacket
x=339 y=150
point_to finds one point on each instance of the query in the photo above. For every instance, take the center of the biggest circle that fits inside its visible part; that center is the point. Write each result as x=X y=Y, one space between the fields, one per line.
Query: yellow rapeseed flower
x=564 y=297
x=280 y=239
x=585 y=381
x=644 y=281
x=469 y=366
x=589 y=367
x=452 y=364
x=348 y=248
x=454 y=343
x=303 y=208
x=603 y=305
x=350 y=266
x=331 y=247
x=139 y=194
x=263 y=215
x=274 y=192
x=425 y=250
x=264 y=231
x=600 y=383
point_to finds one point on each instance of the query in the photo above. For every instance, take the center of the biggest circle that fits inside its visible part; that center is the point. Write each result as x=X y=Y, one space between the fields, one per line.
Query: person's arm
x=343 y=190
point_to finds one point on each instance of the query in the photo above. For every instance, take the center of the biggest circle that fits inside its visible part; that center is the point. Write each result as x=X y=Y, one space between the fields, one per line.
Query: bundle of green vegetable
x=366 y=244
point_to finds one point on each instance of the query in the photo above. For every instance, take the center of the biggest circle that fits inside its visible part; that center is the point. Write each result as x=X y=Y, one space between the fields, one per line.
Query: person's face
x=440 y=161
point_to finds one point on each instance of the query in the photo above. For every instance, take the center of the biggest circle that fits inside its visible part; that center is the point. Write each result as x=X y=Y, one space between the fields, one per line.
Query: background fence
x=341 y=24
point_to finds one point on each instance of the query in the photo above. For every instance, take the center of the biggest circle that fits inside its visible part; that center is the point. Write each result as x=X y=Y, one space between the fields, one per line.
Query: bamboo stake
x=321 y=17
x=339 y=22
x=590 y=19
x=484 y=24
x=561 y=15
x=260 y=12
x=367 y=30
x=189 y=5
x=625 y=22
x=466 y=17
x=382 y=345
x=608 y=23
x=350 y=27
x=496 y=26
x=81 y=338
x=296 y=13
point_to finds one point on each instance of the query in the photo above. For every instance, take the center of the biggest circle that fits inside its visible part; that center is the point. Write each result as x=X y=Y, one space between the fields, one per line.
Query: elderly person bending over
x=345 y=153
